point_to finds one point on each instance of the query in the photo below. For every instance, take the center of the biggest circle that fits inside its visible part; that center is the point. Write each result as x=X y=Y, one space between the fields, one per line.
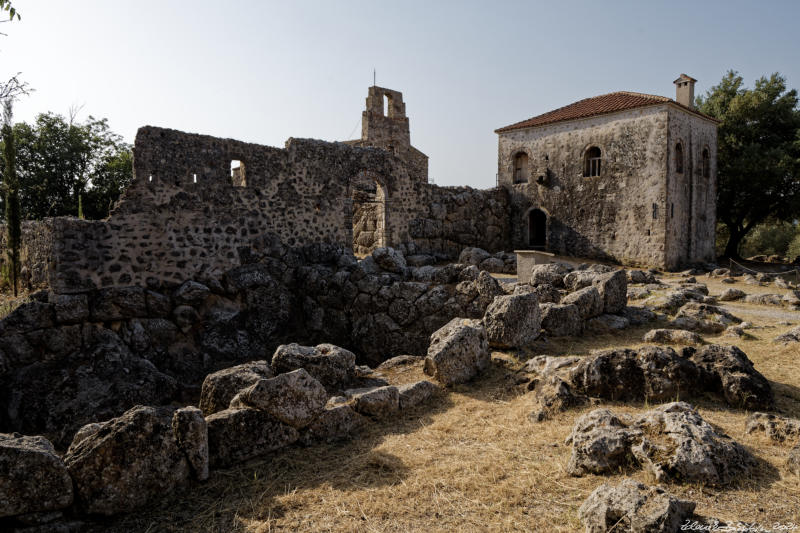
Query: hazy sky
x=264 y=71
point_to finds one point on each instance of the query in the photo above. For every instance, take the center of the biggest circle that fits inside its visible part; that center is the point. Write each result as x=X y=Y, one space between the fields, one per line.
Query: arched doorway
x=537 y=229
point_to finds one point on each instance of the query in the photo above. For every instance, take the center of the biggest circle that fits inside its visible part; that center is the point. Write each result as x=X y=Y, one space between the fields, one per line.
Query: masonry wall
x=608 y=216
x=691 y=197
x=35 y=254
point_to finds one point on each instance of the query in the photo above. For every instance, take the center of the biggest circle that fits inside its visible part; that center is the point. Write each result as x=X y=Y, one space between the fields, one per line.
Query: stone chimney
x=684 y=90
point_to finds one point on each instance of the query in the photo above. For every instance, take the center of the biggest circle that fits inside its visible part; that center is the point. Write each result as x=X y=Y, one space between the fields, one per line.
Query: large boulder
x=376 y=402
x=127 y=462
x=331 y=365
x=33 y=478
x=191 y=293
x=793 y=461
x=513 y=320
x=549 y=274
x=613 y=289
x=731 y=294
x=679 y=445
x=295 y=398
x=632 y=506
x=777 y=428
x=458 y=352
x=588 y=301
x=728 y=370
x=336 y=422
x=561 y=320
x=552 y=394
x=673 y=336
x=413 y=394
x=473 y=256
x=390 y=260
x=672 y=442
x=793 y=335
x=601 y=443
x=220 y=387
x=703 y=318
x=236 y=435
x=607 y=323
x=191 y=433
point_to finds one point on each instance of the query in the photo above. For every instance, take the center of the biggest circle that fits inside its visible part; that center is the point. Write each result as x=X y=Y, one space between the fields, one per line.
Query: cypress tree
x=13 y=225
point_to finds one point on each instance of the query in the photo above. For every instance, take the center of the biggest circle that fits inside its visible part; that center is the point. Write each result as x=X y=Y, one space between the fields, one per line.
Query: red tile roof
x=599 y=105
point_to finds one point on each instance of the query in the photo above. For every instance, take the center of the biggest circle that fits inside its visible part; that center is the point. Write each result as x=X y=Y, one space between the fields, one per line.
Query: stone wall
x=35 y=253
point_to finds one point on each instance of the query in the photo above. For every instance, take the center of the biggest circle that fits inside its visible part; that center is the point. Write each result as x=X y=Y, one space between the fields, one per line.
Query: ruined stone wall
x=609 y=216
x=454 y=218
x=691 y=197
x=35 y=254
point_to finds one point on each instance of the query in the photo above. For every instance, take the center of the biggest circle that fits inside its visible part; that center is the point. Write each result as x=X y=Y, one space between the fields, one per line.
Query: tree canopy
x=758 y=161
x=61 y=163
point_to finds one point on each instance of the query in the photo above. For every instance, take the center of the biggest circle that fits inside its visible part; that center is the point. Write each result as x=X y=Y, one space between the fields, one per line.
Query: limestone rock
x=390 y=260
x=220 y=387
x=638 y=316
x=550 y=274
x=588 y=301
x=606 y=323
x=727 y=369
x=236 y=435
x=561 y=320
x=601 y=443
x=547 y=365
x=679 y=445
x=473 y=256
x=777 y=428
x=32 y=477
x=336 y=422
x=458 y=352
x=131 y=460
x=731 y=294
x=793 y=461
x=413 y=394
x=295 y=398
x=764 y=299
x=513 y=320
x=552 y=394
x=377 y=402
x=613 y=289
x=632 y=506
x=673 y=336
x=191 y=293
x=703 y=318
x=191 y=433
x=331 y=365
x=792 y=298
x=793 y=335
x=640 y=276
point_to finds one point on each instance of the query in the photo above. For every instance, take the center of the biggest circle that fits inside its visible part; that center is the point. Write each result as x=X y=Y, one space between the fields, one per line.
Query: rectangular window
x=672 y=210
x=655 y=211
x=594 y=166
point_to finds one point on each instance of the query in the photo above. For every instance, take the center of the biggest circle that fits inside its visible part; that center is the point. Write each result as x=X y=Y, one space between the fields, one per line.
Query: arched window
x=591 y=162
x=706 y=163
x=521 y=167
x=679 y=158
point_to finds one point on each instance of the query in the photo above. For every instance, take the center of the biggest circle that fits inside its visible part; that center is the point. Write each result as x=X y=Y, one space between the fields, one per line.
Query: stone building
x=625 y=176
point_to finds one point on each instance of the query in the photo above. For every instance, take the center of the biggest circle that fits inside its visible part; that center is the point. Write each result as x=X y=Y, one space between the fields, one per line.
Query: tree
x=11 y=196
x=62 y=163
x=758 y=169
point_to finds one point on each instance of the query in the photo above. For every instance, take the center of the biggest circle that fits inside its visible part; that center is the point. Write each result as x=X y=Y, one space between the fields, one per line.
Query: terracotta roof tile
x=598 y=105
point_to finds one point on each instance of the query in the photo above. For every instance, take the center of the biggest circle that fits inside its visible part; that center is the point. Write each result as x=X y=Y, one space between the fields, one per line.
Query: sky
x=263 y=71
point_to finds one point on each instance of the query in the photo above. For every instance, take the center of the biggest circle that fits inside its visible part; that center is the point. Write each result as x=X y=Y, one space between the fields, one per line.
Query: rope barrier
x=790 y=271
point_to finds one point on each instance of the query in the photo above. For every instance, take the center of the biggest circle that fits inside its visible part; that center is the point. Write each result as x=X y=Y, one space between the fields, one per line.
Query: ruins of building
x=625 y=176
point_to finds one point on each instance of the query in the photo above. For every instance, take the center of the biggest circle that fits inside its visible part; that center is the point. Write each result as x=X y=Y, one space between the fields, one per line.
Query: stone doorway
x=537 y=229
x=369 y=214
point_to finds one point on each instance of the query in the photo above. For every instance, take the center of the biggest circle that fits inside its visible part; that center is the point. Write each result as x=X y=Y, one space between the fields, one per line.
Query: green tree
x=62 y=163
x=11 y=196
x=758 y=162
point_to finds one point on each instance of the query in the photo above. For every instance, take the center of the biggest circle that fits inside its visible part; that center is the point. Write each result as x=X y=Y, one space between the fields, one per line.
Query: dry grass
x=471 y=461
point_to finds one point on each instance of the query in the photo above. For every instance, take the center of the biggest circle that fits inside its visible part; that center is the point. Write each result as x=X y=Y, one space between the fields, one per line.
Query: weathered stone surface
x=71 y=308
x=191 y=293
x=632 y=506
x=638 y=316
x=613 y=289
x=561 y=320
x=601 y=443
x=473 y=256
x=118 y=303
x=703 y=318
x=792 y=298
x=546 y=365
x=331 y=365
x=606 y=323
x=513 y=320
x=731 y=294
x=191 y=433
x=552 y=394
x=131 y=460
x=413 y=394
x=679 y=445
x=588 y=301
x=764 y=299
x=549 y=274
x=728 y=370
x=32 y=477
x=793 y=461
x=400 y=361
x=389 y=259
x=295 y=398
x=777 y=428
x=238 y=434
x=673 y=336
x=458 y=352
x=336 y=422
x=377 y=402
x=220 y=387
x=793 y=335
